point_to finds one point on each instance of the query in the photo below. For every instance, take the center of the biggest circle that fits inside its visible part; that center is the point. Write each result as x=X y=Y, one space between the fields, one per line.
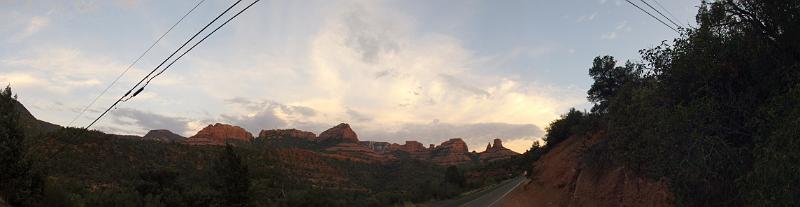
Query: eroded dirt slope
x=560 y=180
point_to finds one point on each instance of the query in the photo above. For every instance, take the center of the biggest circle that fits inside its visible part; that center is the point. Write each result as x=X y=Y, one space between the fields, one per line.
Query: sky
x=395 y=70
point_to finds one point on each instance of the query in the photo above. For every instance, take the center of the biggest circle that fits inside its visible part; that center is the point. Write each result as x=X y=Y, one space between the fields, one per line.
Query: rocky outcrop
x=287 y=133
x=219 y=134
x=355 y=152
x=562 y=180
x=339 y=133
x=163 y=135
x=496 y=152
x=379 y=147
x=412 y=149
x=451 y=152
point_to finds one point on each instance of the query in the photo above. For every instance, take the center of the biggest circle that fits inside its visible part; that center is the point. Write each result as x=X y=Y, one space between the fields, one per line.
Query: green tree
x=609 y=79
x=560 y=129
x=716 y=115
x=19 y=184
x=231 y=179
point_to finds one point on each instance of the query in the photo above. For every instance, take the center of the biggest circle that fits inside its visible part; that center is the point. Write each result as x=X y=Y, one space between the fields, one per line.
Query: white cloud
x=34 y=25
x=586 y=18
x=61 y=70
x=609 y=36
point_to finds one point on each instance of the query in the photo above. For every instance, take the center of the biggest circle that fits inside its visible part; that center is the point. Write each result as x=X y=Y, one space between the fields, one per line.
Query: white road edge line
x=509 y=191
x=501 y=197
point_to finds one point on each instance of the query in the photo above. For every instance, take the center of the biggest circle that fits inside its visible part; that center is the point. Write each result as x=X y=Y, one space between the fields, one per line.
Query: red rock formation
x=379 y=147
x=451 y=152
x=287 y=133
x=496 y=152
x=414 y=149
x=218 y=134
x=339 y=133
x=355 y=152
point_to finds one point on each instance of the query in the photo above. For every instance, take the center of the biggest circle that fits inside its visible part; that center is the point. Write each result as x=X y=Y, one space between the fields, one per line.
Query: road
x=487 y=197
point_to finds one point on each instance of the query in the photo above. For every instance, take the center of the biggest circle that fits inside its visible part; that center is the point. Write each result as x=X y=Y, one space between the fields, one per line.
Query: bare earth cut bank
x=559 y=179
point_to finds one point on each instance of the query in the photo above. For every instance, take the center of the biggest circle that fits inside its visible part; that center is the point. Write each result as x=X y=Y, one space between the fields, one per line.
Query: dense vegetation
x=715 y=113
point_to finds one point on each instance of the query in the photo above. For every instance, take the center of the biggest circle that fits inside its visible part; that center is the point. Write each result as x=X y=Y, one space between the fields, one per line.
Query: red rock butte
x=496 y=152
x=339 y=133
x=342 y=142
x=219 y=134
x=451 y=152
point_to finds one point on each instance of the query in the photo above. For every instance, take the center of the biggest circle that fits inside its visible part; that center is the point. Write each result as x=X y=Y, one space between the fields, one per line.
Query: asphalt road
x=488 y=197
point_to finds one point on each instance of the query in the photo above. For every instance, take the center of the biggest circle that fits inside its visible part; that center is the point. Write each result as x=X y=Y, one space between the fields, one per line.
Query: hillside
x=708 y=120
x=562 y=178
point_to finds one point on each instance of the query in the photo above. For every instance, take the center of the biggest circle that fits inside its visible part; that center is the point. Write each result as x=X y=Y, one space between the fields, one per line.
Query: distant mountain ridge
x=340 y=141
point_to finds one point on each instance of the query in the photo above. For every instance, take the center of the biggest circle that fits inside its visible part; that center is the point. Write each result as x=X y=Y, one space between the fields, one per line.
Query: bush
x=564 y=127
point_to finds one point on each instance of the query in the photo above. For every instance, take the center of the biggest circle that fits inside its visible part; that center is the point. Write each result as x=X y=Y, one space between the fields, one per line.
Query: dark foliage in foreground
x=715 y=113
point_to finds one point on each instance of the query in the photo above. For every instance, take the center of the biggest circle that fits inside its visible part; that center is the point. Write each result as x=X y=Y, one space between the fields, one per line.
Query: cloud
x=370 y=44
x=61 y=69
x=34 y=25
x=458 y=84
x=267 y=114
x=621 y=27
x=129 y=118
x=586 y=18
x=609 y=36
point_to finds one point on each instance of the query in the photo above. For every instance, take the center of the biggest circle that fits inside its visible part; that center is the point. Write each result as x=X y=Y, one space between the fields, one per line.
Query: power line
x=666 y=10
x=651 y=15
x=195 y=44
x=659 y=12
x=175 y=52
x=159 y=65
x=134 y=63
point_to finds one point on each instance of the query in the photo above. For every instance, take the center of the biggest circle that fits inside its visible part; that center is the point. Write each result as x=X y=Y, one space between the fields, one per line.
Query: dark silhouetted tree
x=454 y=176
x=19 y=185
x=562 y=128
x=609 y=79
x=231 y=179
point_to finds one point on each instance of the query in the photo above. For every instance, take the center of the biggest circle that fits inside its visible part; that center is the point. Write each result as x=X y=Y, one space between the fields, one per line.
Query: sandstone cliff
x=451 y=152
x=412 y=149
x=218 y=134
x=339 y=133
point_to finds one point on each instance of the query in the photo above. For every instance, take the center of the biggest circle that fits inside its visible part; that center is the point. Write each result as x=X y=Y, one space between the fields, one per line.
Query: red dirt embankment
x=560 y=180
